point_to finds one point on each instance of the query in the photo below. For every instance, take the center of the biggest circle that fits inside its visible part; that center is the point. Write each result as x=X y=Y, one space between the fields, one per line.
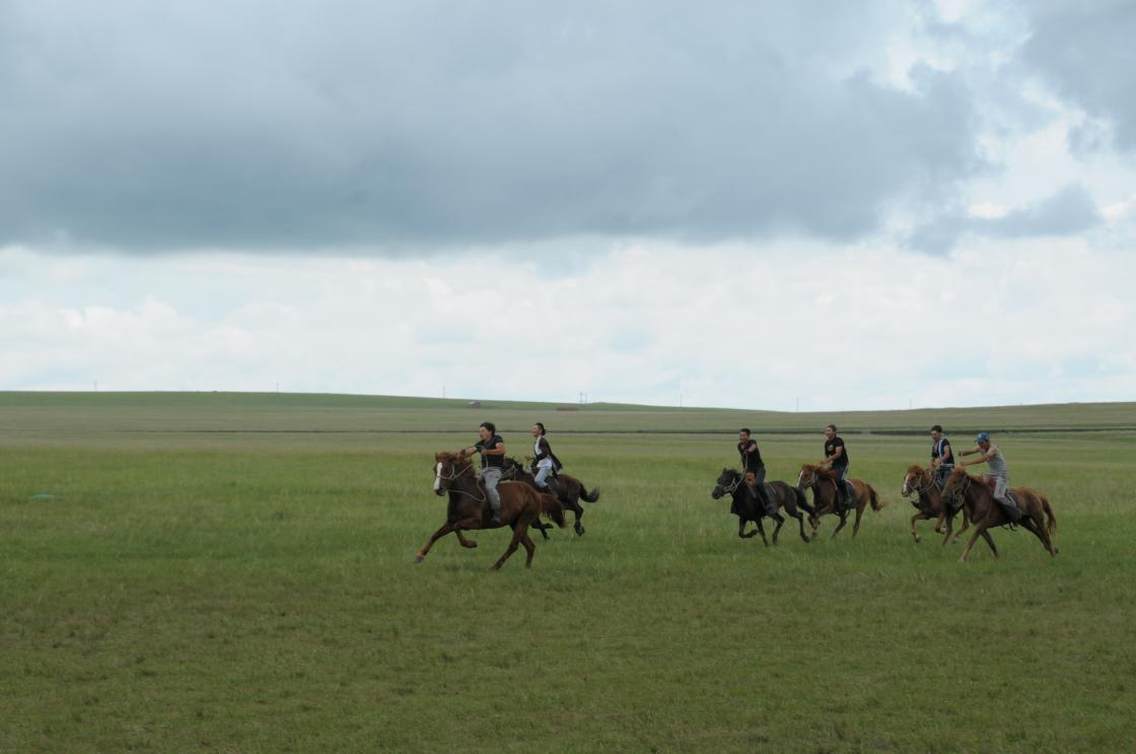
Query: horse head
x=915 y=480
x=728 y=481
x=448 y=467
x=512 y=467
x=809 y=476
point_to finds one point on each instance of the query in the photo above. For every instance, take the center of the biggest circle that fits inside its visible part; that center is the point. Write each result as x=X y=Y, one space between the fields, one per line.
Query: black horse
x=568 y=490
x=747 y=507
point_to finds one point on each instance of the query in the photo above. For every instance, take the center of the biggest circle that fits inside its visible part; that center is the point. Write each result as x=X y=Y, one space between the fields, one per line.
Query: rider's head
x=830 y=431
x=538 y=430
x=936 y=432
x=983 y=440
x=743 y=434
x=487 y=430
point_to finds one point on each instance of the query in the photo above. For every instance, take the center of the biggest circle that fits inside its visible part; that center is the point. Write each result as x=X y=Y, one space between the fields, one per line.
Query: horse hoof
x=419 y=558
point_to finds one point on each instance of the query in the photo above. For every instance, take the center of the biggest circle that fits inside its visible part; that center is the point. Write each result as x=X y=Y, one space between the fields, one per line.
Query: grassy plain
x=212 y=572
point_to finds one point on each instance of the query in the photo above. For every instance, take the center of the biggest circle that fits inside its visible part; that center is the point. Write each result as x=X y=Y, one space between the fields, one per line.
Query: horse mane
x=442 y=456
x=917 y=470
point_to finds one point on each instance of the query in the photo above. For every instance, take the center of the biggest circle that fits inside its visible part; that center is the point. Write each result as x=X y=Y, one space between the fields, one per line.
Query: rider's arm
x=948 y=454
x=498 y=451
x=983 y=457
x=836 y=453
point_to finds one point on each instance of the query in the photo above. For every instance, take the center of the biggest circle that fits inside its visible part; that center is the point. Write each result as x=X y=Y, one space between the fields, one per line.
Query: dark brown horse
x=977 y=498
x=468 y=507
x=569 y=491
x=823 y=484
x=929 y=503
x=747 y=508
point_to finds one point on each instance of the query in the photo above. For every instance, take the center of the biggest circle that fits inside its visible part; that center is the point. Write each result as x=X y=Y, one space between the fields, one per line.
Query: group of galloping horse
x=523 y=504
x=960 y=492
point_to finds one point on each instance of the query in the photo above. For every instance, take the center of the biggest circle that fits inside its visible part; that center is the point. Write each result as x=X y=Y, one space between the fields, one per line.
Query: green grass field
x=217 y=572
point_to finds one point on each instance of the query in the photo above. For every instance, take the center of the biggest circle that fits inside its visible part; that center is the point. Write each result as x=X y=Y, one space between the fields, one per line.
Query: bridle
x=925 y=485
x=455 y=474
x=730 y=489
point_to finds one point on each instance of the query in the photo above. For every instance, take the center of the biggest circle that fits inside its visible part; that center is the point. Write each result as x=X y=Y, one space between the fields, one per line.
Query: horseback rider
x=492 y=450
x=836 y=458
x=996 y=474
x=753 y=469
x=545 y=464
x=942 y=459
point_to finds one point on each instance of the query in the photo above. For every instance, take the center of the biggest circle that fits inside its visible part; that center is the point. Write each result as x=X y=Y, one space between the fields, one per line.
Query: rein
x=959 y=494
x=457 y=474
x=730 y=490
x=925 y=485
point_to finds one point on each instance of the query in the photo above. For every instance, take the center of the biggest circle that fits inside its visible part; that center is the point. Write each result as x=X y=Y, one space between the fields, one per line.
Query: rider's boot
x=1010 y=508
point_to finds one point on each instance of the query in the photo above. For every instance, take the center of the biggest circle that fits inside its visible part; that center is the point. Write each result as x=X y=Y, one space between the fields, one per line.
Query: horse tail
x=551 y=507
x=874 y=498
x=589 y=497
x=802 y=501
x=1050 y=519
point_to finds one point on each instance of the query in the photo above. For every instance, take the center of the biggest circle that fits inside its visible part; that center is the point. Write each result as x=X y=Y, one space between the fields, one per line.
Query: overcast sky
x=744 y=204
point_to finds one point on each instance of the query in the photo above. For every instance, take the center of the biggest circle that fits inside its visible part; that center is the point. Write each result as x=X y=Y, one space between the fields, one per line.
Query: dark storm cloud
x=140 y=125
x=1085 y=52
x=1070 y=210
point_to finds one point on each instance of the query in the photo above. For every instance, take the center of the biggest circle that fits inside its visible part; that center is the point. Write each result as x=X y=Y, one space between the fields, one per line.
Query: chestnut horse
x=469 y=508
x=746 y=507
x=977 y=498
x=823 y=484
x=570 y=491
x=930 y=504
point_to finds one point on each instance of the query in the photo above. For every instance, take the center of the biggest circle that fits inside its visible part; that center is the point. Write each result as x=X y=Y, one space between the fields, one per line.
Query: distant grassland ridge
x=302 y=413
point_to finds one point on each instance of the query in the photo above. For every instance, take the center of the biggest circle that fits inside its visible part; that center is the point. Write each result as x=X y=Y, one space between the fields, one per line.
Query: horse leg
x=917 y=517
x=801 y=524
x=542 y=528
x=978 y=530
x=990 y=541
x=741 y=529
x=966 y=522
x=518 y=533
x=530 y=549
x=950 y=527
x=579 y=511
x=465 y=542
x=859 y=514
x=761 y=529
x=780 y=522
x=1039 y=531
x=843 y=520
x=445 y=529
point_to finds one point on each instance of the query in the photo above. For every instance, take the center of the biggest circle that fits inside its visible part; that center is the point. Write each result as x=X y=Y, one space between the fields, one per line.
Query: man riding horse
x=836 y=459
x=753 y=470
x=942 y=459
x=997 y=475
x=492 y=450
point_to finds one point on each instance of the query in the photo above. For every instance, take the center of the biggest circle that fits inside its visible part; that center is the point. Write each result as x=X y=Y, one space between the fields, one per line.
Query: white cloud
x=722 y=325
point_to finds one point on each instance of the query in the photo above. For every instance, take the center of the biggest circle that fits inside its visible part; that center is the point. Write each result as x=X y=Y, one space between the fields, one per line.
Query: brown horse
x=977 y=498
x=823 y=484
x=469 y=508
x=930 y=504
x=569 y=491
